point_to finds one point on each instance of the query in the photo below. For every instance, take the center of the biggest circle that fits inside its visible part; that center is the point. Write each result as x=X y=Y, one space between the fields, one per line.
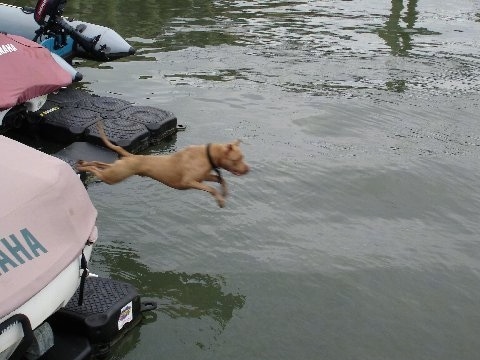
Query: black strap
x=83 y=265
x=214 y=167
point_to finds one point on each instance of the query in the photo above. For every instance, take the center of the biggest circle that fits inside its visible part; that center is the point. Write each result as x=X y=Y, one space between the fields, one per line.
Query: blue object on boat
x=65 y=51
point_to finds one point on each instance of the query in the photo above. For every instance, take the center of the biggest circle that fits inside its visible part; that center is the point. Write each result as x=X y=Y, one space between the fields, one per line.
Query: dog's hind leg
x=106 y=174
x=98 y=164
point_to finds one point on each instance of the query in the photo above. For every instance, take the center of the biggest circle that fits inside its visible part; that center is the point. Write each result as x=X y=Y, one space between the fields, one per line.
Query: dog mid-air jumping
x=185 y=169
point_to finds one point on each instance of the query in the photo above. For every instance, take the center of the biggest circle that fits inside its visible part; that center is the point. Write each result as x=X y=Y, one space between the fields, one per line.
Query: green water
x=355 y=236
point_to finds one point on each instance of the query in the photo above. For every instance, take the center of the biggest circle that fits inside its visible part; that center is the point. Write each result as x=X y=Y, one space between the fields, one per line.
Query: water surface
x=355 y=236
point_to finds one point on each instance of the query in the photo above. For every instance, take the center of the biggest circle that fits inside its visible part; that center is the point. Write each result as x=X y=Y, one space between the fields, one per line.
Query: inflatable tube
x=106 y=45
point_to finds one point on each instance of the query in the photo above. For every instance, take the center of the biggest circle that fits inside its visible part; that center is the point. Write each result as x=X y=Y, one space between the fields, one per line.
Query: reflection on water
x=178 y=294
x=398 y=38
x=334 y=48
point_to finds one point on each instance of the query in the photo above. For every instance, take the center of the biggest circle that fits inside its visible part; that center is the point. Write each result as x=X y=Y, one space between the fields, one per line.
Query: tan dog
x=185 y=169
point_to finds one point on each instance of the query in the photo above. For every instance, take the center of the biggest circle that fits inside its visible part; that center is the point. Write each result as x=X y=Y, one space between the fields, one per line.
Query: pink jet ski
x=47 y=225
x=51 y=306
x=29 y=73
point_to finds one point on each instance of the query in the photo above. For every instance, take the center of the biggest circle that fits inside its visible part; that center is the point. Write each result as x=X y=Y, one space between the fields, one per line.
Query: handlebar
x=87 y=43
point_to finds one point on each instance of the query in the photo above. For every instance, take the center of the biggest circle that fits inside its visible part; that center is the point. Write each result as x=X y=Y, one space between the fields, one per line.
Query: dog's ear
x=232 y=144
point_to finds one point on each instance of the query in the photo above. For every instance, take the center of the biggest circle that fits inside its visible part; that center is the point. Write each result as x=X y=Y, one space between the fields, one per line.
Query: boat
x=40 y=103
x=69 y=114
x=29 y=73
x=47 y=230
x=66 y=37
x=51 y=306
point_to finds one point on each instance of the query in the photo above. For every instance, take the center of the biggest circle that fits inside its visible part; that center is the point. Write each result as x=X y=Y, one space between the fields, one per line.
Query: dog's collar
x=212 y=164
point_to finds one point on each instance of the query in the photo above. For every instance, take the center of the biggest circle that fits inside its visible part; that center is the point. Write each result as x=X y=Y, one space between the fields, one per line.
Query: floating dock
x=70 y=117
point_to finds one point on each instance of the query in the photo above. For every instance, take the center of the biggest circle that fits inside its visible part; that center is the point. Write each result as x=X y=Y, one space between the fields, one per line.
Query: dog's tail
x=118 y=149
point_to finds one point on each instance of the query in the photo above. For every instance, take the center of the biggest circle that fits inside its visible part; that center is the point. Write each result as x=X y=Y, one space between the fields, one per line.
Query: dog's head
x=232 y=159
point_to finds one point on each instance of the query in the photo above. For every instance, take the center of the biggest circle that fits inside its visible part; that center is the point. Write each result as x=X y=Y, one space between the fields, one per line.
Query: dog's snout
x=239 y=169
x=245 y=169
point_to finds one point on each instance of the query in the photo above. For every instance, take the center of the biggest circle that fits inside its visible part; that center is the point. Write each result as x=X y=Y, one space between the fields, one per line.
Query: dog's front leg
x=211 y=190
x=220 y=180
x=223 y=184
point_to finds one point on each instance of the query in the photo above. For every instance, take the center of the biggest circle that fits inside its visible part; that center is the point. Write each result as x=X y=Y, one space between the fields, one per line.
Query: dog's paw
x=221 y=202
x=224 y=189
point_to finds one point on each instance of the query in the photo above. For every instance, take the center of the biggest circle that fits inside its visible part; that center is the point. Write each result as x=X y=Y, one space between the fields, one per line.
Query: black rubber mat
x=72 y=114
x=101 y=296
x=109 y=307
x=67 y=96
